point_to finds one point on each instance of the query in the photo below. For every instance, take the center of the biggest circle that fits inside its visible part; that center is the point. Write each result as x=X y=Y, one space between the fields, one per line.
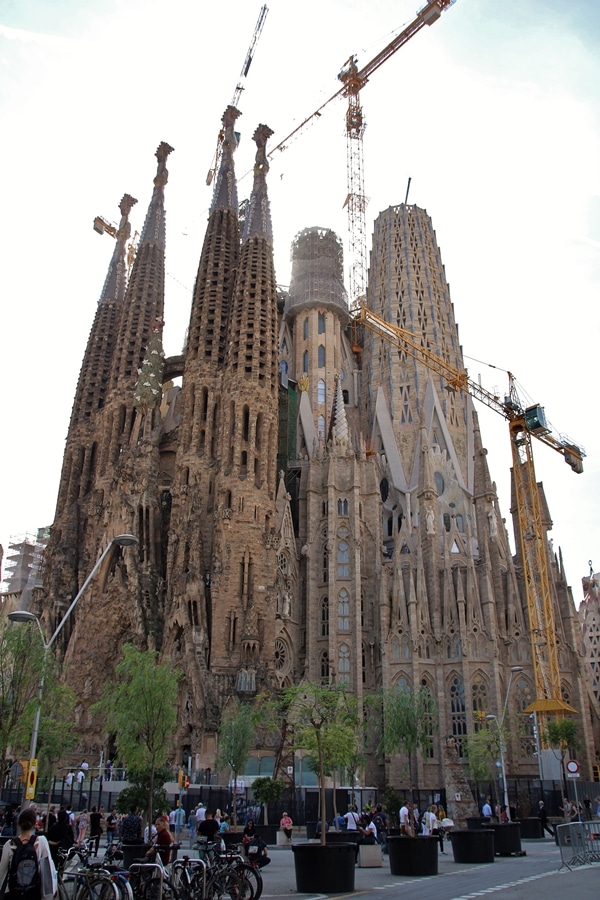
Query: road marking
x=503 y=887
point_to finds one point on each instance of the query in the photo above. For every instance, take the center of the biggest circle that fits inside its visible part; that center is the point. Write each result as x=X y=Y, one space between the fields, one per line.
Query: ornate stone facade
x=307 y=505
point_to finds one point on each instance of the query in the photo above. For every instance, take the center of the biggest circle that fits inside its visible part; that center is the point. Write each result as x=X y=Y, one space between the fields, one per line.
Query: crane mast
x=216 y=161
x=524 y=424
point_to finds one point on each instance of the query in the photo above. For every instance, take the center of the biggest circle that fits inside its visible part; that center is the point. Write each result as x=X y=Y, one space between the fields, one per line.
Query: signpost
x=572 y=767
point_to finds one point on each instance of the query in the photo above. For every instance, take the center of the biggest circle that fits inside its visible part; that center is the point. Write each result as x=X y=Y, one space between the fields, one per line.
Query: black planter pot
x=413 y=855
x=268 y=833
x=470 y=846
x=475 y=822
x=132 y=852
x=324 y=870
x=342 y=837
x=507 y=838
x=531 y=828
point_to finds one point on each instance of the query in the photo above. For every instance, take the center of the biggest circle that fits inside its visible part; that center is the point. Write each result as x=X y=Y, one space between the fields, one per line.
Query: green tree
x=267 y=790
x=21 y=668
x=562 y=735
x=24 y=662
x=483 y=748
x=326 y=724
x=138 y=791
x=409 y=719
x=235 y=737
x=140 y=709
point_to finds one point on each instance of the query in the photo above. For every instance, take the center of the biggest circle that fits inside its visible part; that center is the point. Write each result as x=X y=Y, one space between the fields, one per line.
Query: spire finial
x=162 y=153
x=225 y=192
x=258 y=217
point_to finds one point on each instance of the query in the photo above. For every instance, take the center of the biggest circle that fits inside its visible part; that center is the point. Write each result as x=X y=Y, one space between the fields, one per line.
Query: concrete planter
x=507 y=838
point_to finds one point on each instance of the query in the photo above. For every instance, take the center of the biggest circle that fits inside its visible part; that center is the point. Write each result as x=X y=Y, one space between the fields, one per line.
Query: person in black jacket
x=60 y=835
x=543 y=817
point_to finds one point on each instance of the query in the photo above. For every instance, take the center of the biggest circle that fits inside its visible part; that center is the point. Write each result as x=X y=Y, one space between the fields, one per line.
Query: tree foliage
x=267 y=790
x=326 y=724
x=563 y=734
x=409 y=719
x=24 y=662
x=138 y=791
x=483 y=748
x=140 y=709
x=236 y=734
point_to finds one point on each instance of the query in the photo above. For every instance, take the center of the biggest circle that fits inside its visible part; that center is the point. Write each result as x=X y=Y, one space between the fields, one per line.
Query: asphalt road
x=537 y=874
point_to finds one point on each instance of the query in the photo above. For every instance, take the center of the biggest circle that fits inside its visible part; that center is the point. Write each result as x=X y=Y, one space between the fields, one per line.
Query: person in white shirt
x=486 y=809
x=200 y=813
x=351 y=818
x=406 y=820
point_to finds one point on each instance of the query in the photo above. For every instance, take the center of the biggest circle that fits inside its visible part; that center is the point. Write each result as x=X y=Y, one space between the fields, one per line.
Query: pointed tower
x=121 y=488
x=222 y=561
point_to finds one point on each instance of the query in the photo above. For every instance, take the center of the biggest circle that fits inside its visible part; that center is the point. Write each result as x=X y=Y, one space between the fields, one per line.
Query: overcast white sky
x=494 y=112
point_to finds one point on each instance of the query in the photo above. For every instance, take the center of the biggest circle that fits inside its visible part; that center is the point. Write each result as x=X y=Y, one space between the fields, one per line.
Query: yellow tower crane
x=353 y=79
x=523 y=424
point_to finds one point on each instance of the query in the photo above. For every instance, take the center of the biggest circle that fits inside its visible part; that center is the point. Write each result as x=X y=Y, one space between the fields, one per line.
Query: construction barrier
x=579 y=843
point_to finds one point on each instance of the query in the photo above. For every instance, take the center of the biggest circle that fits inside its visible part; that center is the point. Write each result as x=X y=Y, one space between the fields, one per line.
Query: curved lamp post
x=500 y=727
x=23 y=615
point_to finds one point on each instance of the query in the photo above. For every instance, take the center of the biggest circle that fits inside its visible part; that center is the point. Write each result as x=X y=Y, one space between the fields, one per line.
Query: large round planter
x=342 y=837
x=413 y=855
x=531 y=828
x=471 y=846
x=475 y=822
x=324 y=870
x=507 y=838
x=132 y=852
x=268 y=833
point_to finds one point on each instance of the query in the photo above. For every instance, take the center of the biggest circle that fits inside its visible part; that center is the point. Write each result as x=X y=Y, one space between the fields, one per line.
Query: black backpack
x=24 y=873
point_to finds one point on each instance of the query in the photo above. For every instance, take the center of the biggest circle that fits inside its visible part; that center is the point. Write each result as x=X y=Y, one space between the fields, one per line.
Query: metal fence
x=579 y=843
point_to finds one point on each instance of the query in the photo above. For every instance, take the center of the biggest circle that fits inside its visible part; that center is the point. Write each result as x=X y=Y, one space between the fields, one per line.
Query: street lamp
x=500 y=727
x=23 y=615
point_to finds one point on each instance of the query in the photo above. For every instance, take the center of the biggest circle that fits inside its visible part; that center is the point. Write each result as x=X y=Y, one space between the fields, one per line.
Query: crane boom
x=214 y=166
x=425 y=16
x=524 y=423
x=353 y=79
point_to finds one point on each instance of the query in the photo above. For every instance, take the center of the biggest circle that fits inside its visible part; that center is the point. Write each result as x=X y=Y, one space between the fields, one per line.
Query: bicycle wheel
x=97 y=887
x=252 y=876
x=225 y=885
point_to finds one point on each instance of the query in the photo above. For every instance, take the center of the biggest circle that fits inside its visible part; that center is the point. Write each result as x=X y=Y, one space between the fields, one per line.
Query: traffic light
x=180 y=779
x=187 y=782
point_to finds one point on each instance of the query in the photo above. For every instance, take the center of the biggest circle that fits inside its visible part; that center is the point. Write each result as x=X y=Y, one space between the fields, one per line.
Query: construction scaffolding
x=25 y=561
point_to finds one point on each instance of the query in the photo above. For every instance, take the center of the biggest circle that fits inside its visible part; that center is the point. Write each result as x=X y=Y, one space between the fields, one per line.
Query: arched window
x=458 y=713
x=305 y=361
x=324 y=666
x=321 y=356
x=342 y=507
x=305 y=329
x=325 y=617
x=429 y=721
x=343 y=610
x=325 y=565
x=344 y=663
x=343 y=560
x=320 y=391
x=321 y=427
x=479 y=700
x=321 y=323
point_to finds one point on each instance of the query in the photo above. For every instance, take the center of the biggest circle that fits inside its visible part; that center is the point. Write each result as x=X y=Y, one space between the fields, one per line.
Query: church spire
x=116 y=278
x=144 y=298
x=258 y=217
x=225 y=192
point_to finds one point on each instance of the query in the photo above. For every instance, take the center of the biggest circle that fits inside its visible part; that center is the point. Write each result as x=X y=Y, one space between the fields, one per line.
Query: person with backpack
x=27 y=871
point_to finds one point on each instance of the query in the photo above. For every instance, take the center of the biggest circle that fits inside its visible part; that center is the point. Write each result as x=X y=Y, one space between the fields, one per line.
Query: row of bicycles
x=215 y=875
